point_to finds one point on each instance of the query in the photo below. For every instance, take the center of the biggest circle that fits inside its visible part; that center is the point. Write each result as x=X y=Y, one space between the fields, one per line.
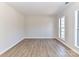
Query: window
x=62 y=27
x=77 y=28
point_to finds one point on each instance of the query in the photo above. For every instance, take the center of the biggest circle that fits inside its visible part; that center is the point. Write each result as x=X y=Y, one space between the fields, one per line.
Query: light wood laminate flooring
x=40 y=48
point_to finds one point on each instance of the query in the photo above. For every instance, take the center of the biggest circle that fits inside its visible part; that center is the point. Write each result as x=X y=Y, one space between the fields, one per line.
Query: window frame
x=61 y=29
x=76 y=20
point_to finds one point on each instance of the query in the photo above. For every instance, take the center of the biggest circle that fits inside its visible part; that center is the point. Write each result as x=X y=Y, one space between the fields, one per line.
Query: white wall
x=11 y=27
x=40 y=26
x=14 y=26
x=69 y=14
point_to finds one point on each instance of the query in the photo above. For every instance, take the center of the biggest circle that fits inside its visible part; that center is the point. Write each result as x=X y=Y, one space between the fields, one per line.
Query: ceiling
x=38 y=8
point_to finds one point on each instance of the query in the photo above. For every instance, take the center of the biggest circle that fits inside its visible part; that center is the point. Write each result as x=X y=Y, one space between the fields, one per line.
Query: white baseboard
x=10 y=47
x=39 y=37
x=68 y=46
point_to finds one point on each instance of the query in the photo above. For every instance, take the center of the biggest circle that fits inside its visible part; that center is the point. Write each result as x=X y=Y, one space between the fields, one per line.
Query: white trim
x=10 y=47
x=68 y=46
x=64 y=27
x=39 y=37
x=59 y=27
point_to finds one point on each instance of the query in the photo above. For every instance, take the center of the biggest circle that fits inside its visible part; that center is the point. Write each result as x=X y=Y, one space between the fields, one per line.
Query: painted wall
x=11 y=27
x=40 y=26
x=14 y=26
x=69 y=14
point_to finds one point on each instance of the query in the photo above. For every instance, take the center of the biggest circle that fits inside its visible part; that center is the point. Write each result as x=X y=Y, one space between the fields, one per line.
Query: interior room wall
x=69 y=13
x=40 y=27
x=11 y=27
x=15 y=26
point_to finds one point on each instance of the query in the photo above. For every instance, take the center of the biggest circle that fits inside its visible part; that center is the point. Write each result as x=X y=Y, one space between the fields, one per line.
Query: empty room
x=39 y=29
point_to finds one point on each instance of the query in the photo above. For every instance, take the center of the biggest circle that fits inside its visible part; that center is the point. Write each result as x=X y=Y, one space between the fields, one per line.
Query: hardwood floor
x=40 y=48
